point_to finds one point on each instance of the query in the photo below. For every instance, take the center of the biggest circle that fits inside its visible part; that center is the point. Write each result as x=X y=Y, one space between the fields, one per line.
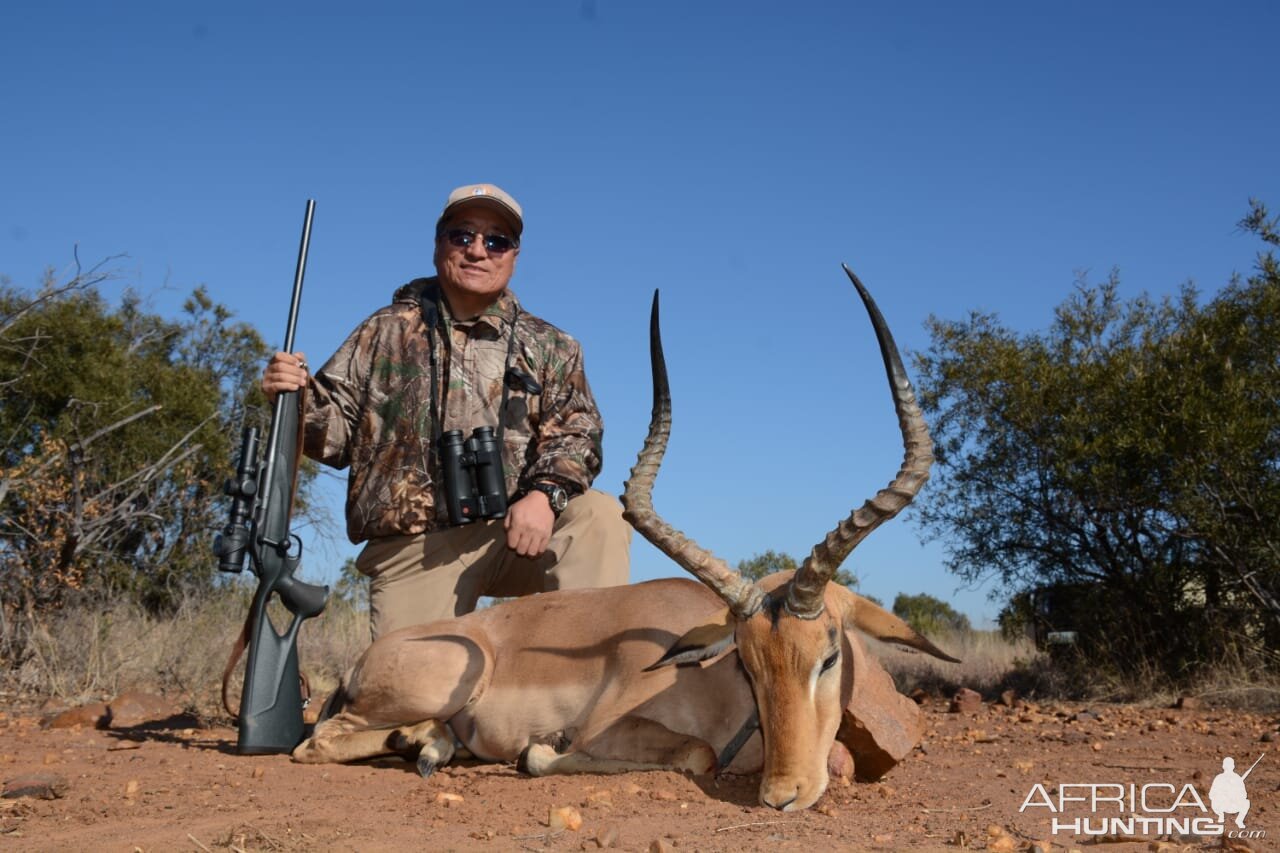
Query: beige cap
x=489 y=196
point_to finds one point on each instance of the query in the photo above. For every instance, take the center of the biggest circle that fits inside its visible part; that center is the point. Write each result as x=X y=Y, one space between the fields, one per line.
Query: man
x=457 y=352
x=1228 y=794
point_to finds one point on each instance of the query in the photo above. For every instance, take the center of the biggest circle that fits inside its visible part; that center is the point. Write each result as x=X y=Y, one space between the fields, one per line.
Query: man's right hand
x=285 y=372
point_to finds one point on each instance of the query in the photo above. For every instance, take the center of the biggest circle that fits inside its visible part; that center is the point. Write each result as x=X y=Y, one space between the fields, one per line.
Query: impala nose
x=775 y=801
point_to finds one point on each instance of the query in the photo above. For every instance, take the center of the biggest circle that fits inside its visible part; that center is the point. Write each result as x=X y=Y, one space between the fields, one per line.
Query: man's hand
x=528 y=524
x=285 y=372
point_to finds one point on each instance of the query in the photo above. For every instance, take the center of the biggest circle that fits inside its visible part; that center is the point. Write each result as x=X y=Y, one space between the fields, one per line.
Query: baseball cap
x=490 y=196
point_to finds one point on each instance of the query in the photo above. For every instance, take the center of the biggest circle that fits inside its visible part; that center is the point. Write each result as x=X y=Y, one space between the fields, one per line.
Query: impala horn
x=804 y=595
x=743 y=597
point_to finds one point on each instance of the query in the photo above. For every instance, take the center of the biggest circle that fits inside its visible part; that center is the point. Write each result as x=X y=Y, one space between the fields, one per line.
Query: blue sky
x=957 y=156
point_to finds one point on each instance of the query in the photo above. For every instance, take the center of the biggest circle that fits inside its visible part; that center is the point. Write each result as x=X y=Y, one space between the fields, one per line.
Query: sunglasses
x=494 y=244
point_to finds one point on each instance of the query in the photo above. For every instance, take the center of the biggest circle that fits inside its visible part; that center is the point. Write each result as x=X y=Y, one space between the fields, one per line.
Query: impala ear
x=698 y=644
x=874 y=621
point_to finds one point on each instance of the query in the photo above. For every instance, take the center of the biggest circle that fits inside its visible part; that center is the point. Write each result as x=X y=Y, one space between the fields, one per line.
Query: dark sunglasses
x=494 y=244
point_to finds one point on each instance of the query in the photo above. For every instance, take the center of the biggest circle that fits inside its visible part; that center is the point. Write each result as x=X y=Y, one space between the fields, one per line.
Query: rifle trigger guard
x=283 y=547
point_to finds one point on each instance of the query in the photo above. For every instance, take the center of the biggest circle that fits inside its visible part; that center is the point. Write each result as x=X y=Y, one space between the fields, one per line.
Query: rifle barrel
x=287 y=398
x=298 y=274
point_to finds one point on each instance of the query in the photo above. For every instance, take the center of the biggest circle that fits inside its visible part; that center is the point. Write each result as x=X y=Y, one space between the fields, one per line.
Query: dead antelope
x=664 y=674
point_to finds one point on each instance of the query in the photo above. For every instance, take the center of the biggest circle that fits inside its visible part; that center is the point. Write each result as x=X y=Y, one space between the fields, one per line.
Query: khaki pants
x=442 y=574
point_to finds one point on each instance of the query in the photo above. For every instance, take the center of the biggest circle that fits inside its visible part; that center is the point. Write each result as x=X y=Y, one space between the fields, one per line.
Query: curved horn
x=804 y=597
x=743 y=597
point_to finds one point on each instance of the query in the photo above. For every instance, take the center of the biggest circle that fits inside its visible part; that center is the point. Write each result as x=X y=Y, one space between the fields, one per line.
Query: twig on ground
x=543 y=836
x=985 y=805
x=276 y=845
x=197 y=843
x=755 y=823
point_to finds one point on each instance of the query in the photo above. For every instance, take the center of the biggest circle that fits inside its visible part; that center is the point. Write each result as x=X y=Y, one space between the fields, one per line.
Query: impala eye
x=831 y=661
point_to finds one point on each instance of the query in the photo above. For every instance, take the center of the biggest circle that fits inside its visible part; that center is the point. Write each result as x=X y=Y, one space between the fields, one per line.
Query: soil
x=171 y=785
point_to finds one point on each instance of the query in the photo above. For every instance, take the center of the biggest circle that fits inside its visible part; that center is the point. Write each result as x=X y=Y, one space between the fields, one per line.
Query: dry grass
x=988 y=662
x=95 y=651
x=98 y=650
x=992 y=664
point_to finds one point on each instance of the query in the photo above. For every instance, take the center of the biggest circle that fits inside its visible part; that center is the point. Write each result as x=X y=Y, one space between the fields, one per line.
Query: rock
x=39 y=786
x=1085 y=717
x=131 y=789
x=921 y=696
x=880 y=726
x=661 y=845
x=1009 y=698
x=1269 y=737
x=607 y=836
x=565 y=817
x=448 y=799
x=664 y=794
x=1187 y=703
x=840 y=763
x=598 y=798
x=1002 y=844
x=966 y=701
x=136 y=708
x=93 y=716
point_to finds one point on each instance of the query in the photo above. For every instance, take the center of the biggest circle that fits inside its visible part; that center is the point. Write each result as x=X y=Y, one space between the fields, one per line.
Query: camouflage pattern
x=369 y=408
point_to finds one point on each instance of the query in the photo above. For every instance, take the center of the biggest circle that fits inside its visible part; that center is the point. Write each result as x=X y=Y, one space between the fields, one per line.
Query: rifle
x=270 y=718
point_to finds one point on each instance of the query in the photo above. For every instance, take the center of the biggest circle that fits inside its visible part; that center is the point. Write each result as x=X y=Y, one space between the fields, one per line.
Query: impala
x=670 y=673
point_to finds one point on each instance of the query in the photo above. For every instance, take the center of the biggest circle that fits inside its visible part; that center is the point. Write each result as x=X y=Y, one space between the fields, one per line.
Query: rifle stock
x=270 y=718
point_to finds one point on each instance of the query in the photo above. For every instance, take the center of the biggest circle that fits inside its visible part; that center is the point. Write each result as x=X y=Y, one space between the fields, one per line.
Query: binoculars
x=474 y=486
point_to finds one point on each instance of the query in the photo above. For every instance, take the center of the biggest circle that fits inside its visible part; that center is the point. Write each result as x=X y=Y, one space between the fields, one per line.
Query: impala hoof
x=534 y=759
x=426 y=766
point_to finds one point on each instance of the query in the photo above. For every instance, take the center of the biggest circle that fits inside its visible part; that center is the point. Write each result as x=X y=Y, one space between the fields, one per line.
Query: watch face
x=555 y=495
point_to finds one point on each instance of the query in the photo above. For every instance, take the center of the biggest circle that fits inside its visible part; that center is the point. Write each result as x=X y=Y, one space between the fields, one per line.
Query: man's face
x=473 y=276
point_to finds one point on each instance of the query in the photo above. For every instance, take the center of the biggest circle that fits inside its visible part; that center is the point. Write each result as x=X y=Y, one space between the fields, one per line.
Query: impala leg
x=343 y=737
x=648 y=745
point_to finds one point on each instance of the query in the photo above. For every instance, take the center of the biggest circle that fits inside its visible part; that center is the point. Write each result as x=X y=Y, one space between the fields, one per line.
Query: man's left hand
x=528 y=524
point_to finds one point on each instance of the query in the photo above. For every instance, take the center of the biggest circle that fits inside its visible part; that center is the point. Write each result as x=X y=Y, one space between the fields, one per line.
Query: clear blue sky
x=958 y=156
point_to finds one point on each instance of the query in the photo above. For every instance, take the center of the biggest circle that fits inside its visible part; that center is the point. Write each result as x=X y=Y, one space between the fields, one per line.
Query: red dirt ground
x=170 y=786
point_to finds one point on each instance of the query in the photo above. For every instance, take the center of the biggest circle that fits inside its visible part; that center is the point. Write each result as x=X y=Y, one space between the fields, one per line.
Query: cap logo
x=478 y=191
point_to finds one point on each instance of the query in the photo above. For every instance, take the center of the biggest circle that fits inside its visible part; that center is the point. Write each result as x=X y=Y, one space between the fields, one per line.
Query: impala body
x=670 y=673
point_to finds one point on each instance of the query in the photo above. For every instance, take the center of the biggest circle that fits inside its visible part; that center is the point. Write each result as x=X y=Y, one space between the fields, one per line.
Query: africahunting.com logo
x=1152 y=809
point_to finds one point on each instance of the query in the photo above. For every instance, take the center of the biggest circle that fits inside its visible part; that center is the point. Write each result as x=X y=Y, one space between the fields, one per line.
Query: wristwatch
x=556 y=495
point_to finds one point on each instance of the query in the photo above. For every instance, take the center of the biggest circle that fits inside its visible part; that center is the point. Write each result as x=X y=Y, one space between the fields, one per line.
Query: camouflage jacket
x=369 y=408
